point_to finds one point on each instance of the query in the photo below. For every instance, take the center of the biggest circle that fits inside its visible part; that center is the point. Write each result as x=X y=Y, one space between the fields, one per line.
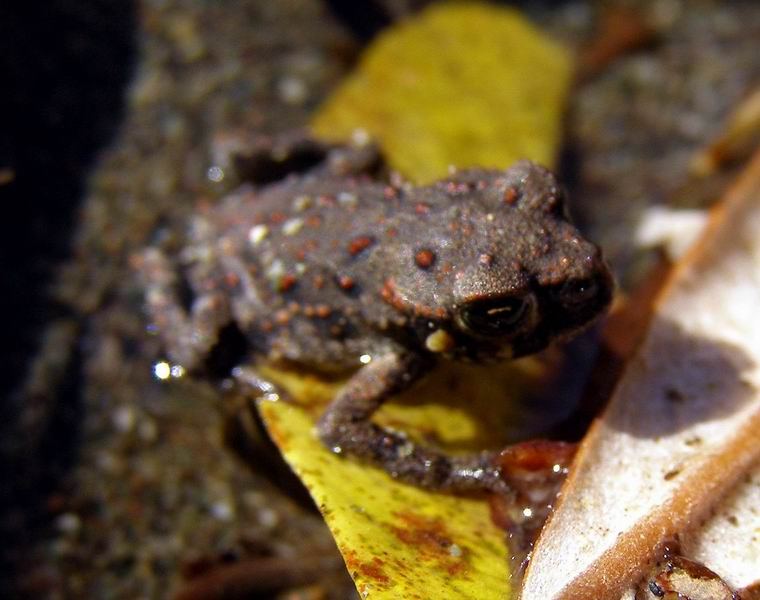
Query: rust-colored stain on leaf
x=372 y=570
x=431 y=541
x=443 y=547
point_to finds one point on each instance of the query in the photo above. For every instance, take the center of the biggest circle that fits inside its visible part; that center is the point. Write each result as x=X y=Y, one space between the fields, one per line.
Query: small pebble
x=222 y=510
x=147 y=430
x=268 y=518
x=292 y=90
x=124 y=418
x=68 y=523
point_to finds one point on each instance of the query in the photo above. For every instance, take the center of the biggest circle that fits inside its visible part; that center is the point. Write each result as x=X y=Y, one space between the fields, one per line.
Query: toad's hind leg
x=188 y=336
x=261 y=159
x=346 y=427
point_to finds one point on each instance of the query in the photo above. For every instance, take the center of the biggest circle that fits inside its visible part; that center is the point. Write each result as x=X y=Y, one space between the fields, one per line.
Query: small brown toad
x=332 y=270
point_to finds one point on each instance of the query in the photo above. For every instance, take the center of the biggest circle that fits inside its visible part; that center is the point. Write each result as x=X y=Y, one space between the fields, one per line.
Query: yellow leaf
x=399 y=541
x=464 y=84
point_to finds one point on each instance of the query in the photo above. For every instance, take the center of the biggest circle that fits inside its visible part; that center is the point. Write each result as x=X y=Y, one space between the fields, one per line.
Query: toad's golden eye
x=495 y=317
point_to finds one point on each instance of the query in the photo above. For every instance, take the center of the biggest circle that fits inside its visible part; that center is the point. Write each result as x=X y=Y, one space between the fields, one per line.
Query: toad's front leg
x=346 y=427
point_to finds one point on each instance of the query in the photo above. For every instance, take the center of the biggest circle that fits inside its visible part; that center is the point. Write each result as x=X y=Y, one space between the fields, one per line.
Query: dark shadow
x=260 y=165
x=698 y=379
x=695 y=379
x=64 y=68
x=247 y=436
x=542 y=406
x=364 y=18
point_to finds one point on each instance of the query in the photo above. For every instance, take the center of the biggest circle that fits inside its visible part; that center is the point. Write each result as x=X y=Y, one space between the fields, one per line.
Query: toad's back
x=322 y=270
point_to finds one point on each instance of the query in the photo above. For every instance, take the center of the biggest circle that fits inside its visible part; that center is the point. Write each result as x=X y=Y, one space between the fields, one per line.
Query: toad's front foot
x=346 y=427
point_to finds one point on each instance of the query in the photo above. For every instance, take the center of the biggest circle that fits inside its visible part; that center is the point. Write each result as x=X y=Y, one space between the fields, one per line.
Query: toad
x=332 y=270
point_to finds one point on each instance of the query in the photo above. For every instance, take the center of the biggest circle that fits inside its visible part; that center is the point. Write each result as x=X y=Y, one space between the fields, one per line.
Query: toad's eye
x=495 y=317
x=577 y=292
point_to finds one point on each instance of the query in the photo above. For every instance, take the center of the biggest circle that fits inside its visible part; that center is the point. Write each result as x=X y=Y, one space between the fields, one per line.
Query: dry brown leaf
x=739 y=138
x=682 y=427
x=729 y=542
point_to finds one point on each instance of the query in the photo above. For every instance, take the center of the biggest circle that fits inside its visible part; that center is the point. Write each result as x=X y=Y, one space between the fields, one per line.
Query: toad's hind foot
x=187 y=336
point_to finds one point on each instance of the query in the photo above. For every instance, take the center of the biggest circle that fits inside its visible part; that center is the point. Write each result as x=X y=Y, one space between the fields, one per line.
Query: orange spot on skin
x=346 y=283
x=322 y=311
x=286 y=282
x=510 y=196
x=358 y=244
x=424 y=258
